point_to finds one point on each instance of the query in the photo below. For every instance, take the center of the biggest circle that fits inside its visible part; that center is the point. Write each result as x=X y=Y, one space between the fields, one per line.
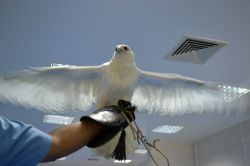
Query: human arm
x=23 y=144
x=70 y=138
x=93 y=130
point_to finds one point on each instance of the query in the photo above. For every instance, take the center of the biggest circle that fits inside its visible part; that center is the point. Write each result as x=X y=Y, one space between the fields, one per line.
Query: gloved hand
x=112 y=119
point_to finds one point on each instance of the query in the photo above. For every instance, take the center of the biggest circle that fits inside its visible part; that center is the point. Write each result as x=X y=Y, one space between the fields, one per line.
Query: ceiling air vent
x=195 y=49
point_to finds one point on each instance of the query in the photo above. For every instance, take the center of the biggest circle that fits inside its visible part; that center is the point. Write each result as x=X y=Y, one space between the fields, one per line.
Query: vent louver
x=195 y=49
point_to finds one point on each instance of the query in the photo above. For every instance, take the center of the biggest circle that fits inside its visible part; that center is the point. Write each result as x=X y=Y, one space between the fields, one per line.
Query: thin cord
x=142 y=138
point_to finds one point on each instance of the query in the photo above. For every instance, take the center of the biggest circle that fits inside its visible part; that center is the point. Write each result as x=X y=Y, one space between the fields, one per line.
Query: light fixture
x=123 y=161
x=166 y=129
x=63 y=158
x=140 y=151
x=58 y=119
x=231 y=93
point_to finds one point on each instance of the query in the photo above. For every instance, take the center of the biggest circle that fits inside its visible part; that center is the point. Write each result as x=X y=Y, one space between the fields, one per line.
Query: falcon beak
x=117 y=50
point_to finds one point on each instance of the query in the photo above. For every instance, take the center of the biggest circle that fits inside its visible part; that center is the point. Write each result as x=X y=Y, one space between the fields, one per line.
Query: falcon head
x=123 y=56
x=124 y=53
x=123 y=50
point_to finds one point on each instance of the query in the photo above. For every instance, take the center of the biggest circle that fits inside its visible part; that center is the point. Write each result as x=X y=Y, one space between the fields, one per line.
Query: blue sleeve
x=21 y=144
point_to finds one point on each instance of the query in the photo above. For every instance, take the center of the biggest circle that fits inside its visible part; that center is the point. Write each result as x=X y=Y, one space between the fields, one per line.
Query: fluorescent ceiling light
x=123 y=161
x=231 y=93
x=141 y=151
x=58 y=119
x=166 y=129
x=63 y=158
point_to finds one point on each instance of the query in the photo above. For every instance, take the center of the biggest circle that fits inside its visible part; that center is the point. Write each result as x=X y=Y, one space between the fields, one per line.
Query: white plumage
x=65 y=88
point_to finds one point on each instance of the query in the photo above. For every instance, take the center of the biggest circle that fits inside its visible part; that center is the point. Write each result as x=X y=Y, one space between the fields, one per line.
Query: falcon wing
x=52 y=89
x=174 y=94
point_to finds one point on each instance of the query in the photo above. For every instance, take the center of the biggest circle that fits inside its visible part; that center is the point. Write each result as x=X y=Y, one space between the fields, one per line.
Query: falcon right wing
x=52 y=89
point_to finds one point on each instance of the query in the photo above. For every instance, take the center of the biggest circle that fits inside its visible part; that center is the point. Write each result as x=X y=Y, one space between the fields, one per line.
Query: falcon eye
x=125 y=48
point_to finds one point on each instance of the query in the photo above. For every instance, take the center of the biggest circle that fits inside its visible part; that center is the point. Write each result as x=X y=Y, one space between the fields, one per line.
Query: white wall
x=230 y=147
x=179 y=154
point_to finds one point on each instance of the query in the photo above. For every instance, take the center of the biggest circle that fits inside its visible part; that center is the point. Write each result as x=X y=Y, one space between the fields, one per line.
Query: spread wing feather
x=52 y=89
x=174 y=94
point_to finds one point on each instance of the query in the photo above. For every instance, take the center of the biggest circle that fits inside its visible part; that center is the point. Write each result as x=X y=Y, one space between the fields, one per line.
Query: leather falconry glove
x=112 y=119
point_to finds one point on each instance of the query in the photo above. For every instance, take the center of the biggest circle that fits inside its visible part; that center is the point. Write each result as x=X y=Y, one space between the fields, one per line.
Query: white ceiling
x=38 y=33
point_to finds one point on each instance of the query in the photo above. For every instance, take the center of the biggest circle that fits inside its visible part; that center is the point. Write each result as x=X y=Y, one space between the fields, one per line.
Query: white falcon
x=65 y=88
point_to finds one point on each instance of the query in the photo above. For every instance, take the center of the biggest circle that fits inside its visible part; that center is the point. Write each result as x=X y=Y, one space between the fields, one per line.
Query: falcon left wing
x=175 y=94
